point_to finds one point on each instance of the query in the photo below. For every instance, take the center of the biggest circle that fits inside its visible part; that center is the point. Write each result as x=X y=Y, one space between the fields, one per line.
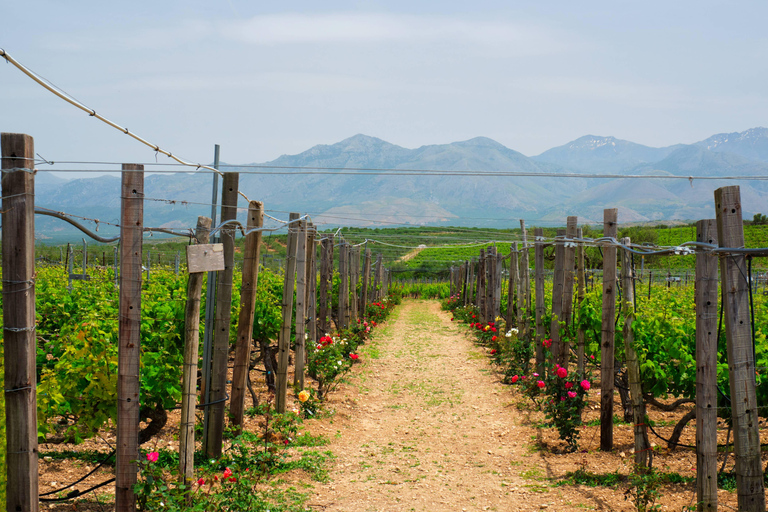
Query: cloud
x=292 y=28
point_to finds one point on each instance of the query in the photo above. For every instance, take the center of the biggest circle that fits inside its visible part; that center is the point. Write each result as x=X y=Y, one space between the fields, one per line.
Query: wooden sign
x=205 y=258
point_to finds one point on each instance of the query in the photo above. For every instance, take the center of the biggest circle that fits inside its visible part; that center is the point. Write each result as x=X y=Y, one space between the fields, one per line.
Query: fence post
x=129 y=339
x=18 y=231
x=741 y=360
x=250 y=280
x=189 y=375
x=214 y=435
x=581 y=280
x=538 y=277
x=300 y=354
x=343 y=285
x=366 y=281
x=354 y=274
x=326 y=270
x=311 y=300
x=706 y=368
x=377 y=278
x=567 y=312
x=513 y=278
x=643 y=455
x=558 y=292
x=284 y=341
x=525 y=275
x=608 y=331
x=117 y=273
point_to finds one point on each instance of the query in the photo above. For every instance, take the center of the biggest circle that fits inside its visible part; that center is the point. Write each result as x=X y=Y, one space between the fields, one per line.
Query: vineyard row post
x=569 y=263
x=189 y=373
x=706 y=368
x=526 y=277
x=643 y=453
x=513 y=279
x=343 y=285
x=540 y=305
x=558 y=287
x=581 y=281
x=129 y=336
x=300 y=353
x=250 y=280
x=311 y=300
x=741 y=360
x=326 y=283
x=284 y=341
x=214 y=434
x=355 y=274
x=366 y=281
x=18 y=235
x=377 y=278
x=608 y=330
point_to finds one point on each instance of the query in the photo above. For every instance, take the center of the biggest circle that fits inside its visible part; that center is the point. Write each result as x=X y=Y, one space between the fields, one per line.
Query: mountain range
x=404 y=197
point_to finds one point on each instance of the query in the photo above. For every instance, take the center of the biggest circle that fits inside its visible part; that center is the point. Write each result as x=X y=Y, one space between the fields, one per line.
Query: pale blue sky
x=267 y=78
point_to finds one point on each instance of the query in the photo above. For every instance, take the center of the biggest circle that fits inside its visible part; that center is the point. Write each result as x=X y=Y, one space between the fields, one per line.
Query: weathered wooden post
x=377 y=278
x=366 y=282
x=741 y=361
x=189 y=372
x=301 y=305
x=643 y=455
x=129 y=339
x=540 y=304
x=706 y=368
x=284 y=341
x=525 y=277
x=558 y=292
x=343 y=285
x=250 y=280
x=513 y=279
x=608 y=332
x=567 y=312
x=18 y=217
x=581 y=280
x=214 y=435
x=354 y=274
x=311 y=300
x=326 y=283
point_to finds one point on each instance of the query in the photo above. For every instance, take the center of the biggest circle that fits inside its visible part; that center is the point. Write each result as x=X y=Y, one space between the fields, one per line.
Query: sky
x=266 y=78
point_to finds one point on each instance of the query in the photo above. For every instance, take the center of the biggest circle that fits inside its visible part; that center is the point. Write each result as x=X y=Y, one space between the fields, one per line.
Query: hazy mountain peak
x=592 y=142
x=480 y=142
x=751 y=144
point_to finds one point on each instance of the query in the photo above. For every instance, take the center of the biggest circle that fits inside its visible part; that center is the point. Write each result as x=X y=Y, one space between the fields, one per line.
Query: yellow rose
x=303 y=396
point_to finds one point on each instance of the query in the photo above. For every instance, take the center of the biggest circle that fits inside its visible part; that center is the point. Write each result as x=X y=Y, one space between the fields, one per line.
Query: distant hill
x=360 y=198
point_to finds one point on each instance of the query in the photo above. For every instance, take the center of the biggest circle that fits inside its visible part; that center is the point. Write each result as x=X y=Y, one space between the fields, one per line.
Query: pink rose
x=562 y=372
x=585 y=385
x=152 y=456
x=568 y=385
x=572 y=394
x=514 y=378
x=541 y=384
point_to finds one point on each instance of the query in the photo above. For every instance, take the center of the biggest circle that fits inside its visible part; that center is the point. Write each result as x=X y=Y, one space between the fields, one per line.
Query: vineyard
x=199 y=400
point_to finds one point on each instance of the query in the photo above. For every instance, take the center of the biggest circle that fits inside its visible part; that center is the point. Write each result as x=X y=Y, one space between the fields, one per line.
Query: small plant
x=644 y=489
x=564 y=403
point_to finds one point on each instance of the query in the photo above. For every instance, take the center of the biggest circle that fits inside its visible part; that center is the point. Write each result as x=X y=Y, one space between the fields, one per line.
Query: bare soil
x=426 y=424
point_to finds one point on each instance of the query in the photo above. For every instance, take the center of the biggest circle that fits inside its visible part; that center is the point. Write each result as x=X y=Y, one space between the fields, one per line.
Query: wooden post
x=481 y=286
x=18 y=217
x=343 y=285
x=284 y=342
x=301 y=305
x=250 y=280
x=377 y=278
x=706 y=369
x=366 y=281
x=470 y=299
x=570 y=258
x=354 y=272
x=129 y=339
x=643 y=455
x=538 y=257
x=741 y=361
x=326 y=280
x=214 y=435
x=581 y=279
x=513 y=279
x=608 y=332
x=311 y=300
x=189 y=373
x=558 y=292
x=497 y=265
x=525 y=277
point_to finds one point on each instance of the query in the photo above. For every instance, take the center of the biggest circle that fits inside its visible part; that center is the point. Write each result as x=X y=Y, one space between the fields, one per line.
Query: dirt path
x=426 y=426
